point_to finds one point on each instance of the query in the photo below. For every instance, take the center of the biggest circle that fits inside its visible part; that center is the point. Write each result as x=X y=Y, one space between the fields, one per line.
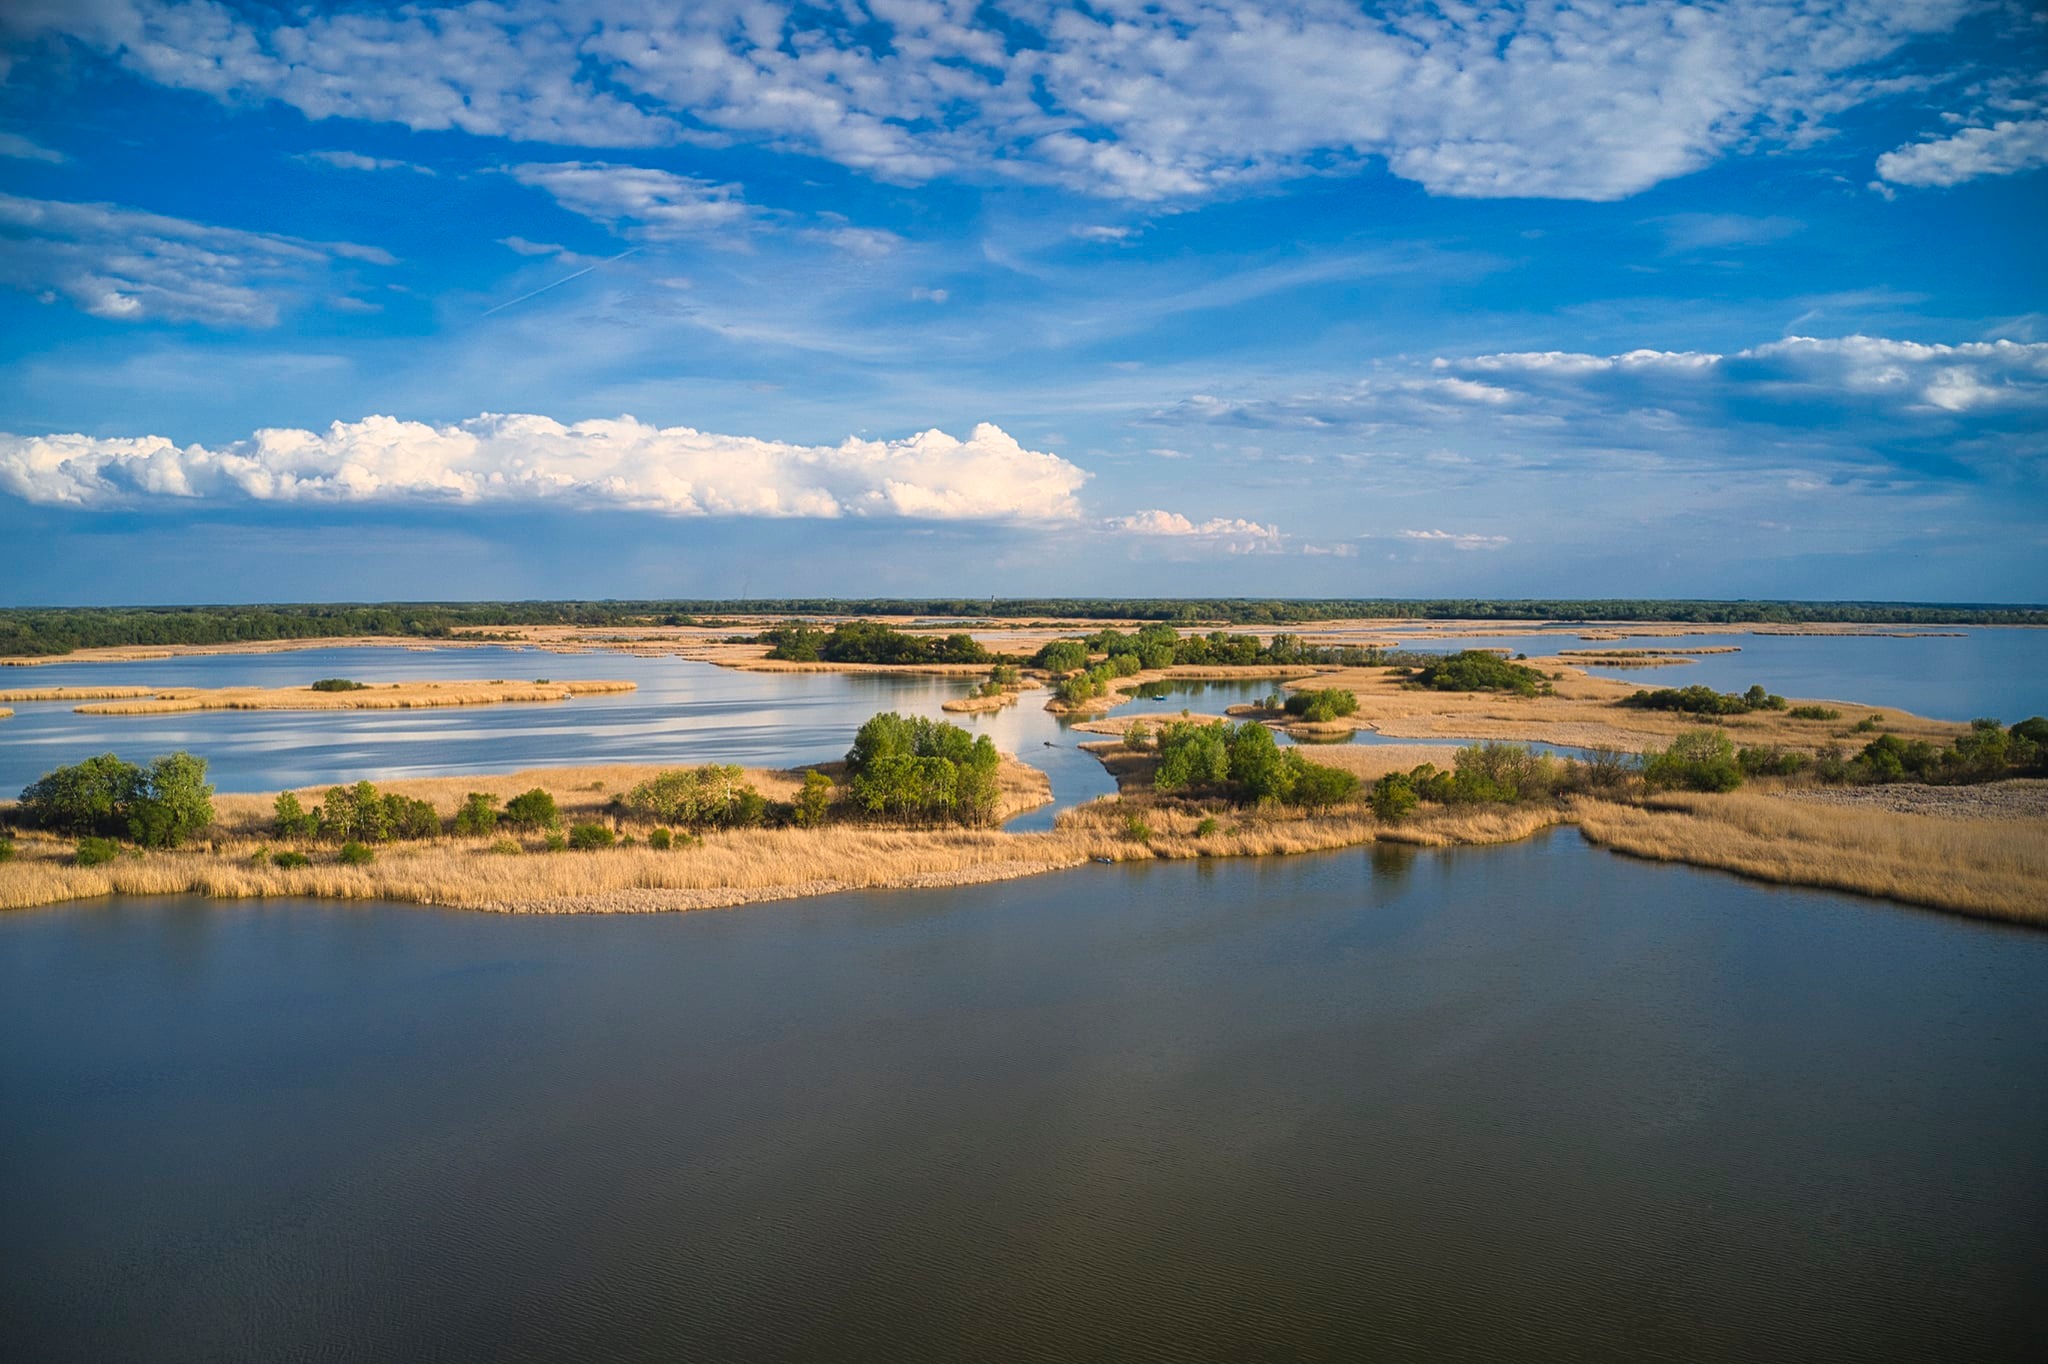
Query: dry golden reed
x=373 y=696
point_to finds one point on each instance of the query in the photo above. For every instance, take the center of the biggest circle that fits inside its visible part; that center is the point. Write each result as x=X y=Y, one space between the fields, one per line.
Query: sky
x=521 y=299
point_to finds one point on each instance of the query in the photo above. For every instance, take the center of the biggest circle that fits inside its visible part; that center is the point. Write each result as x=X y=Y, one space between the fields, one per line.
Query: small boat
x=1109 y=860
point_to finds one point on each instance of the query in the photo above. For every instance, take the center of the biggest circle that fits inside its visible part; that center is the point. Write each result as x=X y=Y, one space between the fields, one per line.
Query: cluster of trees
x=339 y=684
x=1699 y=700
x=1244 y=763
x=1480 y=774
x=1478 y=670
x=914 y=768
x=1330 y=703
x=714 y=796
x=58 y=630
x=160 y=806
x=864 y=641
x=1075 y=688
x=1160 y=645
x=362 y=814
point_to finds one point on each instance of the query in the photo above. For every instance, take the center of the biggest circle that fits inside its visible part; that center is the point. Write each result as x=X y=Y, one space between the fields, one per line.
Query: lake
x=1535 y=1102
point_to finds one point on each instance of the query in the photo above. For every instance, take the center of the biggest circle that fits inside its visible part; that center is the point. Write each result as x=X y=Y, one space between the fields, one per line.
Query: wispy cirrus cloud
x=638 y=201
x=126 y=265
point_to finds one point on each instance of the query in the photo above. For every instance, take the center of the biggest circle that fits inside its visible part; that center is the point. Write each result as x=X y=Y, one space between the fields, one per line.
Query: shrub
x=1318 y=788
x=1319 y=706
x=1771 y=762
x=555 y=841
x=813 y=802
x=660 y=840
x=405 y=817
x=338 y=684
x=95 y=852
x=1604 y=769
x=1698 y=760
x=588 y=836
x=1867 y=725
x=290 y=859
x=6 y=850
x=533 y=809
x=1699 y=700
x=355 y=853
x=1138 y=737
x=292 y=819
x=1479 y=670
x=1136 y=830
x=1814 y=713
x=478 y=815
x=1207 y=827
x=1394 y=798
x=507 y=847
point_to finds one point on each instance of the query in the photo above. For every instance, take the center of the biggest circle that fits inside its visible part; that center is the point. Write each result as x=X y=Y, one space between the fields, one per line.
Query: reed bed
x=75 y=693
x=1992 y=867
x=374 y=696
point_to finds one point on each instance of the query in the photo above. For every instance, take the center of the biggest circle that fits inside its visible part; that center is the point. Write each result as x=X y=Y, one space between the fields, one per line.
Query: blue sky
x=626 y=298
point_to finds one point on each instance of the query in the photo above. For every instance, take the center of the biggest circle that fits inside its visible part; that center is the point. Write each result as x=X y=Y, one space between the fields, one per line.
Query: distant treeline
x=56 y=630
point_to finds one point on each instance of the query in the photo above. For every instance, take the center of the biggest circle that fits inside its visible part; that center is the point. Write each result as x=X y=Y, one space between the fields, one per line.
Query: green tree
x=814 y=802
x=174 y=802
x=292 y=819
x=92 y=797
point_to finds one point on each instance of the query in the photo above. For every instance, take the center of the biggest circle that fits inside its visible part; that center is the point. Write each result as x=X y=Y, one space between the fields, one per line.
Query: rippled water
x=1533 y=1102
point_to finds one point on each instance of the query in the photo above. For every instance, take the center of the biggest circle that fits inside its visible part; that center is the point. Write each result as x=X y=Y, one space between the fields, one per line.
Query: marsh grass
x=1992 y=867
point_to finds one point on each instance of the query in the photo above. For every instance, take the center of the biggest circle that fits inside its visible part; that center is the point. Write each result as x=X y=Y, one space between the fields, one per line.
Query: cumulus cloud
x=127 y=265
x=2004 y=148
x=1231 y=534
x=637 y=200
x=1163 y=100
x=620 y=462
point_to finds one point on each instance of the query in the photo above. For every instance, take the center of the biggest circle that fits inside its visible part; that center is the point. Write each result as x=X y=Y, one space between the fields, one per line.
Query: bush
x=1394 y=798
x=507 y=847
x=290 y=859
x=1771 y=762
x=292 y=819
x=660 y=840
x=355 y=853
x=813 y=802
x=6 y=850
x=1698 y=700
x=588 y=836
x=1138 y=737
x=715 y=794
x=338 y=684
x=95 y=852
x=1814 y=713
x=1698 y=760
x=555 y=841
x=533 y=809
x=1136 y=830
x=1867 y=725
x=1480 y=670
x=1332 y=703
x=1207 y=827
x=1318 y=788
x=405 y=817
x=478 y=815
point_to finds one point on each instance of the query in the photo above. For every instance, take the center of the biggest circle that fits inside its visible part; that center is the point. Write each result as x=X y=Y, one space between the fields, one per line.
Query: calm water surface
x=1533 y=1102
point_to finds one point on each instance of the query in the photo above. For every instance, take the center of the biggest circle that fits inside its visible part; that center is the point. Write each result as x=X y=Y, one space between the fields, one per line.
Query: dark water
x=1533 y=1102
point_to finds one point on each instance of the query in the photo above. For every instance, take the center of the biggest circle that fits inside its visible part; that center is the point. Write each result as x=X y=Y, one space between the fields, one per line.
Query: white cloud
x=920 y=294
x=619 y=462
x=2005 y=148
x=345 y=160
x=1233 y=534
x=640 y=201
x=127 y=265
x=523 y=247
x=1170 y=99
x=21 y=149
x=1461 y=542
